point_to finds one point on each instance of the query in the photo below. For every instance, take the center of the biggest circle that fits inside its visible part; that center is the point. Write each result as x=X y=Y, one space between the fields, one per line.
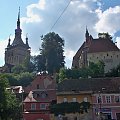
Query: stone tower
x=17 y=51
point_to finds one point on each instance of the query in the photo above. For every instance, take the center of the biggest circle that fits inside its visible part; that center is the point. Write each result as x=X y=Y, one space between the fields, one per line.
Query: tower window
x=37 y=86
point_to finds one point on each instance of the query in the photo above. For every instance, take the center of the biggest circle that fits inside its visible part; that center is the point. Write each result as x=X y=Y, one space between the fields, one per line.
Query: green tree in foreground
x=9 y=107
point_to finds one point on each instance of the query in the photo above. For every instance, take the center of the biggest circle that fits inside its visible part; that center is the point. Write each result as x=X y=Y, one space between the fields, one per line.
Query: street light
x=22 y=103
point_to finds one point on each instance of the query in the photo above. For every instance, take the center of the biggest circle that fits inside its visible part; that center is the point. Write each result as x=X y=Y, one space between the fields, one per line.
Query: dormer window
x=43 y=95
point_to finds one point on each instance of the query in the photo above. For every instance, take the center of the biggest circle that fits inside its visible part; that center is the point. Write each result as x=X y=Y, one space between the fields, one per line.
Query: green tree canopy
x=93 y=70
x=8 y=102
x=51 y=53
x=69 y=107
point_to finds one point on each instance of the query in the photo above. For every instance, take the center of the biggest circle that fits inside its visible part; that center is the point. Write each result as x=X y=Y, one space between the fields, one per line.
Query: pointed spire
x=9 y=41
x=87 y=33
x=18 y=21
x=27 y=40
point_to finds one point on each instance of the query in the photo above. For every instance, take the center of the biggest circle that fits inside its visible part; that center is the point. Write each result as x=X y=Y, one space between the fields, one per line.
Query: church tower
x=17 y=51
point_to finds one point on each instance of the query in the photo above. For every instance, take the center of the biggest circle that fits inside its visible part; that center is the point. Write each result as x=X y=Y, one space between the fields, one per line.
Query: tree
x=28 y=64
x=25 y=79
x=69 y=107
x=18 y=69
x=40 y=63
x=96 y=69
x=115 y=72
x=62 y=74
x=8 y=103
x=105 y=35
x=52 y=51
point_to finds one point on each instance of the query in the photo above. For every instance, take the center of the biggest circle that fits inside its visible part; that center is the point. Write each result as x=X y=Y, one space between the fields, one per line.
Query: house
x=106 y=102
x=15 y=89
x=41 y=93
x=99 y=49
x=102 y=93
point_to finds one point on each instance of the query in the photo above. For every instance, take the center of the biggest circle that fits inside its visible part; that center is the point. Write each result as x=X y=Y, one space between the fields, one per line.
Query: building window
x=37 y=86
x=99 y=99
x=107 y=54
x=108 y=99
x=42 y=106
x=85 y=99
x=43 y=95
x=117 y=56
x=38 y=95
x=74 y=99
x=117 y=98
x=33 y=106
x=64 y=99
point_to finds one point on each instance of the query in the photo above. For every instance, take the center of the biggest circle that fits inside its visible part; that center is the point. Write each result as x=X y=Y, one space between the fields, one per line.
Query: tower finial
x=9 y=41
x=87 y=33
x=27 y=40
x=86 y=29
x=19 y=14
x=18 y=21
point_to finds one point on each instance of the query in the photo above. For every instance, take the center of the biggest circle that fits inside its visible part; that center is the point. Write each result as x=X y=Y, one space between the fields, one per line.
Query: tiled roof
x=95 y=46
x=91 y=84
x=102 y=45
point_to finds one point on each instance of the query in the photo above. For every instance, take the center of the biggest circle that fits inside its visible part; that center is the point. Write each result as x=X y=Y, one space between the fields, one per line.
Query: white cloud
x=41 y=16
x=71 y=26
x=109 y=20
x=118 y=42
x=31 y=15
x=3 y=45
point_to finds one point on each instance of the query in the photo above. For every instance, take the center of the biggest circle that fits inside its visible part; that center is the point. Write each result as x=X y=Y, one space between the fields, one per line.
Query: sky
x=38 y=16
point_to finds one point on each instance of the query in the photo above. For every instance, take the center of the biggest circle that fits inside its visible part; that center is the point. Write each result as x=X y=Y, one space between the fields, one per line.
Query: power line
x=60 y=15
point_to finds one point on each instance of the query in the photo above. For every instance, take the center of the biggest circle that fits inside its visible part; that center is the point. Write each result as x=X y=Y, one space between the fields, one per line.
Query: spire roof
x=18 y=21
x=18 y=32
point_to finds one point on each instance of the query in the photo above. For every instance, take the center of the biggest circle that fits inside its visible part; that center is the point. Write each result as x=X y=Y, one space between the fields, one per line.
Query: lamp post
x=22 y=103
x=100 y=101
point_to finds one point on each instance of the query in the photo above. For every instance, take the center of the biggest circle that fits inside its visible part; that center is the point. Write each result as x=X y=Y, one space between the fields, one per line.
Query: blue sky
x=38 y=16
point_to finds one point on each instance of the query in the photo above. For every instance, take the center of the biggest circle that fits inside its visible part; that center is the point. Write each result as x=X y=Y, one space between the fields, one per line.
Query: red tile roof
x=94 y=46
x=102 y=45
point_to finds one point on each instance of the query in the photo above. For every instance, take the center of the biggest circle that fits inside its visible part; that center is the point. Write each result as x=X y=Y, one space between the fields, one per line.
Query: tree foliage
x=69 y=107
x=51 y=57
x=8 y=103
x=93 y=70
x=105 y=35
x=40 y=63
x=22 y=79
x=27 y=66
x=115 y=72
